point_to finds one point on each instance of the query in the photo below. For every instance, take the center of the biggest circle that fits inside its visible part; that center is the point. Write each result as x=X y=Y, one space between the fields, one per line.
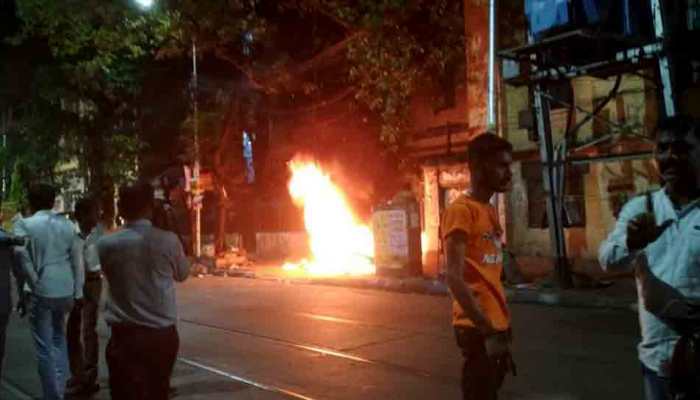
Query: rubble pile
x=234 y=262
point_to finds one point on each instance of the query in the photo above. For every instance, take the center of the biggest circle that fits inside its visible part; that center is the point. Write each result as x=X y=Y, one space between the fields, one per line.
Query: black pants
x=481 y=378
x=3 y=329
x=140 y=361
x=83 y=346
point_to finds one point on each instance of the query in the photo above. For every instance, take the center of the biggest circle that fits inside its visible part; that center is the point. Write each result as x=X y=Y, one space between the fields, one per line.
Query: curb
x=548 y=297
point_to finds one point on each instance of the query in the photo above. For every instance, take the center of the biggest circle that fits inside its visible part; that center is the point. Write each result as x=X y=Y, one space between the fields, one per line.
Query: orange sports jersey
x=484 y=259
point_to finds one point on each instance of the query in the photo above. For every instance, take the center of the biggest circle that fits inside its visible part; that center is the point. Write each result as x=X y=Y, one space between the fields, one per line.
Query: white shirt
x=52 y=262
x=90 y=254
x=141 y=264
x=674 y=259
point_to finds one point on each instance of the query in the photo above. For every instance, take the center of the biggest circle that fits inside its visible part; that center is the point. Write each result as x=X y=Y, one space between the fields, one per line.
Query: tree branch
x=255 y=81
x=326 y=54
x=269 y=82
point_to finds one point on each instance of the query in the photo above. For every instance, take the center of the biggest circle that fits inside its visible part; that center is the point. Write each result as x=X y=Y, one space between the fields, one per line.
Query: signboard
x=390 y=229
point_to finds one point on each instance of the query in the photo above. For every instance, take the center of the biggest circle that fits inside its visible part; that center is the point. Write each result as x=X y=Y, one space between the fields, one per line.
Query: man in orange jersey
x=473 y=249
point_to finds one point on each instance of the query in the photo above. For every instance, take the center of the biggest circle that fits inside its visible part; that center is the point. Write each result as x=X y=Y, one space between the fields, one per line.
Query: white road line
x=241 y=379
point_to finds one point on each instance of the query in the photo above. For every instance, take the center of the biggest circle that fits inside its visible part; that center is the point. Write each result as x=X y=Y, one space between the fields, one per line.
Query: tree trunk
x=100 y=186
x=221 y=222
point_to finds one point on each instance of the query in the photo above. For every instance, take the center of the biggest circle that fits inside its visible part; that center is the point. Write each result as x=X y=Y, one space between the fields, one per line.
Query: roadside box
x=397 y=239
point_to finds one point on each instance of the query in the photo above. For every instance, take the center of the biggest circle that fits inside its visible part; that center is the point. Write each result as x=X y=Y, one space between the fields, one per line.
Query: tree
x=386 y=50
x=90 y=77
x=294 y=54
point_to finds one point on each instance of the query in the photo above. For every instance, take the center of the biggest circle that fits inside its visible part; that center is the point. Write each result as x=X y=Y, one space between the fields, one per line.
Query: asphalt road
x=257 y=339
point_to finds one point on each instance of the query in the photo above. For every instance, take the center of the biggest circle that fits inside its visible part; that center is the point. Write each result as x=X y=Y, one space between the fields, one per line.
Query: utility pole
x=196 y=190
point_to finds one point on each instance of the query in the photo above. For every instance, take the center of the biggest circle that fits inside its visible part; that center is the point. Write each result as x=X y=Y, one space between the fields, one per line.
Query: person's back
x=52 y=240
x=141 y=264
x=51 y=266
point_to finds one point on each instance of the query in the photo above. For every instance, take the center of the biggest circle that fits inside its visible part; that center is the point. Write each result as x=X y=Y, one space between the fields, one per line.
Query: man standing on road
x=659 y=233
x=83 y=348
x=141 y=264
x=51 y=266
x=473 y=248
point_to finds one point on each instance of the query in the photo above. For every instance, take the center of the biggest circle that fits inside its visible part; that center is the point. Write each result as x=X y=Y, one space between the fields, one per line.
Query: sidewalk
x=621 y=294
x=191 y=380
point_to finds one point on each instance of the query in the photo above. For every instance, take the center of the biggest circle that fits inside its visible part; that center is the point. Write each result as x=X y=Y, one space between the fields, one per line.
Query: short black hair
x=134 y=199
x=681 y=123
x=85 y=206
x=486 y=144
x=41 y=196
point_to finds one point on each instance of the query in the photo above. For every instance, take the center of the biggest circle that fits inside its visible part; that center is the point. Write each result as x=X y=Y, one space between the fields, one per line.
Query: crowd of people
x=60 y=267
x=60 y=271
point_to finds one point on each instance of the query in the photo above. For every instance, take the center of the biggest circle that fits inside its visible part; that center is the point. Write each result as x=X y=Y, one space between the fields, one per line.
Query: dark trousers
x=3 y=329
x=140 y=361
x=481 y=378
x=656 y=387
x=83 y=347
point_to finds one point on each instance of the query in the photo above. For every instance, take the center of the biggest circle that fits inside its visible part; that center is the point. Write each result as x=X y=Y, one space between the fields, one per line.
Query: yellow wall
x=634 y=108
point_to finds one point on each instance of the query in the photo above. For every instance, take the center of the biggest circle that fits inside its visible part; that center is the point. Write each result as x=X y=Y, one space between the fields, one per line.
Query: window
x=536 y=196
x=574 y=198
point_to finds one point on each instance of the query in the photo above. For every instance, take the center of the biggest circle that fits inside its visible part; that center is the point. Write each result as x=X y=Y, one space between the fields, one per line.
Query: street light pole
x=196 y=192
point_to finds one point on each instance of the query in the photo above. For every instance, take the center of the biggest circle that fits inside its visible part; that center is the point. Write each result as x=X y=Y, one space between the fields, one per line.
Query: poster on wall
x=390 y=229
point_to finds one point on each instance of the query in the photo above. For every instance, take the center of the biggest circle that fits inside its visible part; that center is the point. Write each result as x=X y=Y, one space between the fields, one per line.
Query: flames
x=339 y=244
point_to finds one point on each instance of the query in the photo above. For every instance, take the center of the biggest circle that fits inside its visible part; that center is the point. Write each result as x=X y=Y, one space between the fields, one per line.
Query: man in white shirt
x=141 y=264
x=660 y=235
x=51 y=265
x=83 y=347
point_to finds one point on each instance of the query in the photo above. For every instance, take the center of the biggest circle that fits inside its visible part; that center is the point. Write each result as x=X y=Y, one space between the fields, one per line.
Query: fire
x=340 y=245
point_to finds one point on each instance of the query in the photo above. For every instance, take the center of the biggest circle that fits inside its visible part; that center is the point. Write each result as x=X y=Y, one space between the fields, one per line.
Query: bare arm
x=455 y=248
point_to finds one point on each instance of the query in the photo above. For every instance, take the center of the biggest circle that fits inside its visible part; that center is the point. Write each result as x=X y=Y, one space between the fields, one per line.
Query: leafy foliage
x=82 y=98
x=87 y=88
x=409 y=46
x=394 y=48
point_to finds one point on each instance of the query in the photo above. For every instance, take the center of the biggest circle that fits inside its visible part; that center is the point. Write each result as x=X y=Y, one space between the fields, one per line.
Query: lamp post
x=196 y=190
x=195 y=187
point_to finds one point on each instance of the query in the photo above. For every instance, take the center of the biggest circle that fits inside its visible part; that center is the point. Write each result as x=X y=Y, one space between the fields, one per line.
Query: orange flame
x=339 y=244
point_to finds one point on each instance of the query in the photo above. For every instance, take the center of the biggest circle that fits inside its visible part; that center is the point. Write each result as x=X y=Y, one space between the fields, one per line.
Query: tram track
x=329 y=352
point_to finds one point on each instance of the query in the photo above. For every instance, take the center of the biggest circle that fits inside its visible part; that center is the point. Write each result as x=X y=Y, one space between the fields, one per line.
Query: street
x=260 y=339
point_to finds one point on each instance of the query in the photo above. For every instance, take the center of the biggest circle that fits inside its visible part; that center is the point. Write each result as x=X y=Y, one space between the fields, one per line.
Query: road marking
x=241 y=379
x=330 y=318
x=329 y=352
x=339 y=320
